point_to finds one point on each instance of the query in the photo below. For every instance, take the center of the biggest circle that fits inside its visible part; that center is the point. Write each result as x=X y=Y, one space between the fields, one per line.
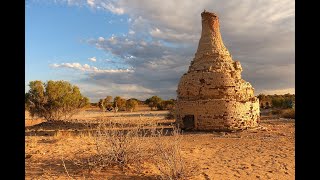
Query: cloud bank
x=163 y=37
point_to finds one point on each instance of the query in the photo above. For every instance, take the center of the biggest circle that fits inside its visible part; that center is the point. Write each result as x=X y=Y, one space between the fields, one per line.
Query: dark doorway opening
x=188 y=121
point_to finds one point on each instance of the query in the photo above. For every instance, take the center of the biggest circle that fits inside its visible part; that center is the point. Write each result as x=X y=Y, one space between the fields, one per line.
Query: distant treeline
x=157 y=103
x=121 y=104
x=277 y=101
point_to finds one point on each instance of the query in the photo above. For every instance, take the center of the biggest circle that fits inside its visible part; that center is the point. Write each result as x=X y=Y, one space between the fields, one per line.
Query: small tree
x=101 y=104
x=131 y=104
x=267 y=105
x=105 y=103
x=54 y=100
x=277 y=102
x=119 y=102
x=166 y=105
x=108 y=102
x=108 y=99
x=261 y=97
x=287 y=103
x=138 y=101
x=154 y=102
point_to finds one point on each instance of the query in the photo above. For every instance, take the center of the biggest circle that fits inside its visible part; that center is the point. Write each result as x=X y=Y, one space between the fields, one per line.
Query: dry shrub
x=171 y=114
x=167 y=156
x=288 y=113
x=276 y=112
x=118 y=144
x=284 y=113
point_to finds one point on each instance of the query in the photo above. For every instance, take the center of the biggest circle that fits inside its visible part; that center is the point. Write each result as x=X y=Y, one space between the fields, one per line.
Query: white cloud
x=54 y=65
x=90 y=3
x=131 y=32
x=93 y=59
x=101 y=39
x=111 y=7
x=88 y=68
x=112 y=39
x=170 y=35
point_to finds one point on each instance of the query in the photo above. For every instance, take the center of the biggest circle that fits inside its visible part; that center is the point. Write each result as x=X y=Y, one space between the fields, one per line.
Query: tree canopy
x=119 y=102
x=54 y=100
x=131 y=104
x=153 y=102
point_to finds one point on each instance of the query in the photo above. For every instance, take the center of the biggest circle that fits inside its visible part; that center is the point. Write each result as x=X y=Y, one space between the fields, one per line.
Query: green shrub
x=54 y=100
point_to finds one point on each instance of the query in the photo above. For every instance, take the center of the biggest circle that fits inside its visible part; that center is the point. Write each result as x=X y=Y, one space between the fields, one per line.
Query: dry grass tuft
x=32 y=142
x=62 y=134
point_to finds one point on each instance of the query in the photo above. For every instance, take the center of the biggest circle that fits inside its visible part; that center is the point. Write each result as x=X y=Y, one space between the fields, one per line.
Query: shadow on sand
x=56 y=168
x=51 y=128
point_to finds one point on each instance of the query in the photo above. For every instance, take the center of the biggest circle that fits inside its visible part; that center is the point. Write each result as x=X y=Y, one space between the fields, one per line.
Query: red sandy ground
x=267 y=153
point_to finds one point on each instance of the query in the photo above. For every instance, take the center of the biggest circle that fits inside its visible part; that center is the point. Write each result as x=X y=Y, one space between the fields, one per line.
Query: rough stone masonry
x=212 y=95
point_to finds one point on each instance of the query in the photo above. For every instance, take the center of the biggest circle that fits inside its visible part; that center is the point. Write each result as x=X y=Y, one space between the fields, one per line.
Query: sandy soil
x=264 y=153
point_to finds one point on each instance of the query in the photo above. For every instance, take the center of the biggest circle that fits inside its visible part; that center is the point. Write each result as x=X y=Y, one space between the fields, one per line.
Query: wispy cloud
x=110 y=6
x=88 y=68
x=90 y=3
x=93 y=59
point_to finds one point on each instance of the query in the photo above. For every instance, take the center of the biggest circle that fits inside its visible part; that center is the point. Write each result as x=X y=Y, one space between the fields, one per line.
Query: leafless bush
x=168 y=158
x=117 y=144
x=171 y=114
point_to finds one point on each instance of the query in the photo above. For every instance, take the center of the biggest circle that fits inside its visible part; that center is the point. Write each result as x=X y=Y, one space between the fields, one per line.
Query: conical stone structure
x=212 y=95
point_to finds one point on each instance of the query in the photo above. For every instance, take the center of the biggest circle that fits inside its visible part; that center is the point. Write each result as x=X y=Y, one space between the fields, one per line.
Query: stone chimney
x=212 y=95
x=210 y=41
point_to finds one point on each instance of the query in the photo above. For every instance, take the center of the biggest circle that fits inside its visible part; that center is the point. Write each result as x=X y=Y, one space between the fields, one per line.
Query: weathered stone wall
x=216 y=114
x=212 y=91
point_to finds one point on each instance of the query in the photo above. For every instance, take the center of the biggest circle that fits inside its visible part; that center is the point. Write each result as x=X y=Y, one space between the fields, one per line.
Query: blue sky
x=141 y=48
x=58 y=32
